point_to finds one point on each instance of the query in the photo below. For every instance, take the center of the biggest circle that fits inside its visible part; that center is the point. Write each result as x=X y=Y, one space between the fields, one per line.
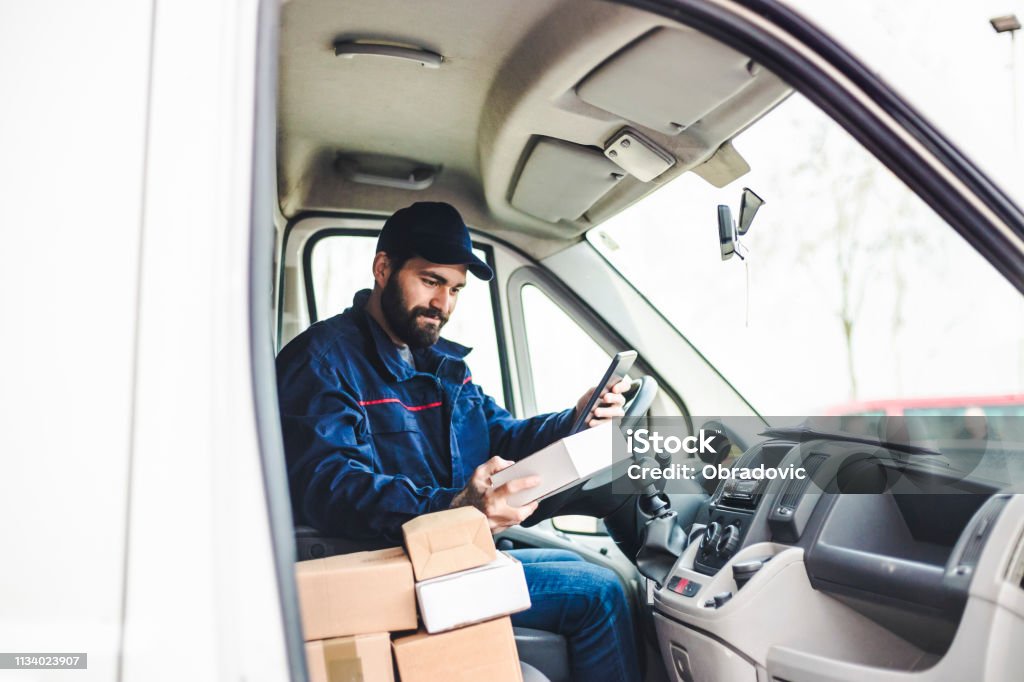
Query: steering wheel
x=593 y=496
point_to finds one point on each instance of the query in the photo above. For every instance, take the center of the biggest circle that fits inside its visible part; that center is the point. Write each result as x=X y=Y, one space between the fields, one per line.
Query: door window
x=340 y=265
x=565 y=361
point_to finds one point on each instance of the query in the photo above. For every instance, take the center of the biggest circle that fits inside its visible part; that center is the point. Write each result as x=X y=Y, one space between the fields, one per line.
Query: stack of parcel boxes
x=358 y=609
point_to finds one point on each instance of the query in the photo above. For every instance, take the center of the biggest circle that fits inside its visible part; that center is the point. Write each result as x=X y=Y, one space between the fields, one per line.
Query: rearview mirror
x=728 y=232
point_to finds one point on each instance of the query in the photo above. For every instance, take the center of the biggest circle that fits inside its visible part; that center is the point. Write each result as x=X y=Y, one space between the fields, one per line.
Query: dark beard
x=403 y=321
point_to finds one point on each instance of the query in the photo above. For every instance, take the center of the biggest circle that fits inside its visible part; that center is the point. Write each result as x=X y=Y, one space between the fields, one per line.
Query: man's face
x=418 y=300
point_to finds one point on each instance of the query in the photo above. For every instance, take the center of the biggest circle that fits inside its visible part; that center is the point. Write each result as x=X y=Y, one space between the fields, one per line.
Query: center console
x=733 y=508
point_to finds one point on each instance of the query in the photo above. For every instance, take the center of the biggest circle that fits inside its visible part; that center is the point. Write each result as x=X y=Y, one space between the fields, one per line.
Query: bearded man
x=382 y=422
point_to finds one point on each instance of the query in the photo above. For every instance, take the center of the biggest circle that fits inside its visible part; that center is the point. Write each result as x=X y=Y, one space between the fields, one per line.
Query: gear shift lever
x=662 y=540
x=661 y=544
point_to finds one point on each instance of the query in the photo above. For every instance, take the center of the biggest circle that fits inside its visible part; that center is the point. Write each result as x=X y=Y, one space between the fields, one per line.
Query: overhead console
x=666 y=81
x=653 y=102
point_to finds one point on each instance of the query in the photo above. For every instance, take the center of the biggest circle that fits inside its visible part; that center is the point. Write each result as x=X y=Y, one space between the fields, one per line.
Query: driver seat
x=544 y=655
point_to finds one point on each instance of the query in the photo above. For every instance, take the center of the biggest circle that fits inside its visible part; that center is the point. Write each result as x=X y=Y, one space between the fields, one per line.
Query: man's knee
x=611 y=592
x=605 y=595
x=573 y=597
x=537 y=555
x=560 y=555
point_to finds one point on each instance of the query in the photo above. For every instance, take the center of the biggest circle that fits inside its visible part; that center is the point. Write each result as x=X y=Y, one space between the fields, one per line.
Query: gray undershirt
x=407 y=355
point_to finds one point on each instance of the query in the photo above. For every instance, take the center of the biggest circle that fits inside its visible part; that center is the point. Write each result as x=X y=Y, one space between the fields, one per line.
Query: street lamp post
x=1009 y=23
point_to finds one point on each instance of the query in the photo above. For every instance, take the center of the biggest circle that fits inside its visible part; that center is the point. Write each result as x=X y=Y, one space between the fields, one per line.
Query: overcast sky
x=946 y=59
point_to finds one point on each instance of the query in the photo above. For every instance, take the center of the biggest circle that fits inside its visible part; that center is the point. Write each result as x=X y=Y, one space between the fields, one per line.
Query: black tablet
x=616 y=372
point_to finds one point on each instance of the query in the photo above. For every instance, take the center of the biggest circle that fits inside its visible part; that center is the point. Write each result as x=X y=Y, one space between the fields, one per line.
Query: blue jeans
x=585 y=604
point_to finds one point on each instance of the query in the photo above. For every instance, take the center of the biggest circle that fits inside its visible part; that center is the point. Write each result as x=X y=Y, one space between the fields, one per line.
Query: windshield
x=855 y=298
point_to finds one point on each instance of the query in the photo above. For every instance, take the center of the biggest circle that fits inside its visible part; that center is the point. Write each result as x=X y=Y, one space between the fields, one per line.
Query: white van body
x=134 y=511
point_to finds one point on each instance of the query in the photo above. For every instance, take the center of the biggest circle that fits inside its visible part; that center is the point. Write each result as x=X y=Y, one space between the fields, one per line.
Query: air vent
x=795 y=489
x=750 y=459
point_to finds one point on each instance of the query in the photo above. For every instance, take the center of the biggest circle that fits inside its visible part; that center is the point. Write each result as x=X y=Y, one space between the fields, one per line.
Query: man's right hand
x=493 y=502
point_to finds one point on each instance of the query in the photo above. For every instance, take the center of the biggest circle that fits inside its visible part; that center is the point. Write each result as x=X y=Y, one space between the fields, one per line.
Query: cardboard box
x=479 y=594
x=448 y=541
x=485 y=651
x=355 y=594
x=562 y=464
x=363 y=658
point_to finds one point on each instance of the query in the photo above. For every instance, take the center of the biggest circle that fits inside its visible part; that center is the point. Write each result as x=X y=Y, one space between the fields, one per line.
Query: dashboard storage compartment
x=893 y=549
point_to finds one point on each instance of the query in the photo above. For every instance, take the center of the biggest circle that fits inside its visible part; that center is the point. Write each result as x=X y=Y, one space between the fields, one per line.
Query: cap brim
x=479 y=268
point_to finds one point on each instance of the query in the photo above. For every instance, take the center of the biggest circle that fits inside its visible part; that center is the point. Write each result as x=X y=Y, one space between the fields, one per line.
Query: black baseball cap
x=433 y=230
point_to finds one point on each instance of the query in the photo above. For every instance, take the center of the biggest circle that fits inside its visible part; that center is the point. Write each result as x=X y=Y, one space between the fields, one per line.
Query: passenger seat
x=545 y=652
x=531 y=674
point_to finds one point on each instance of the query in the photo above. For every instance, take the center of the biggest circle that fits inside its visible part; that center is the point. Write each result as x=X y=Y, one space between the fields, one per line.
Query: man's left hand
x=609 y=405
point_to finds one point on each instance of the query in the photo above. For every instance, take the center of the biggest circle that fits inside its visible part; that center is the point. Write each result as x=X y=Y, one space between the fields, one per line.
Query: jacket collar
x=444 y=359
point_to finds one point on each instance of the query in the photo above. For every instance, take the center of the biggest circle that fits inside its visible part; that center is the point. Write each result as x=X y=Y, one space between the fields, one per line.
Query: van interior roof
x=511 y=125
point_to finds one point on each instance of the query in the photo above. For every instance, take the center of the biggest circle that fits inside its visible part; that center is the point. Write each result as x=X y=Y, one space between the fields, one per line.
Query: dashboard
x=867 y=562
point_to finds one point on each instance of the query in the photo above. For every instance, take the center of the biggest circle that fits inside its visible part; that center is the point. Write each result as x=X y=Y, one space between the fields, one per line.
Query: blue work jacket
x=372 y=441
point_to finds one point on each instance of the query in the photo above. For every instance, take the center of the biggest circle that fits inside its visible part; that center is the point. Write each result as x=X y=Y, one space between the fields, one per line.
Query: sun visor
x=561 y=180
x=667 y=80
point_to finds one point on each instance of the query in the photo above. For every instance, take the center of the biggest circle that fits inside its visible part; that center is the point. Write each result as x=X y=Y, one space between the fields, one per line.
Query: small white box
x=561 y=464
x=478 y=594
